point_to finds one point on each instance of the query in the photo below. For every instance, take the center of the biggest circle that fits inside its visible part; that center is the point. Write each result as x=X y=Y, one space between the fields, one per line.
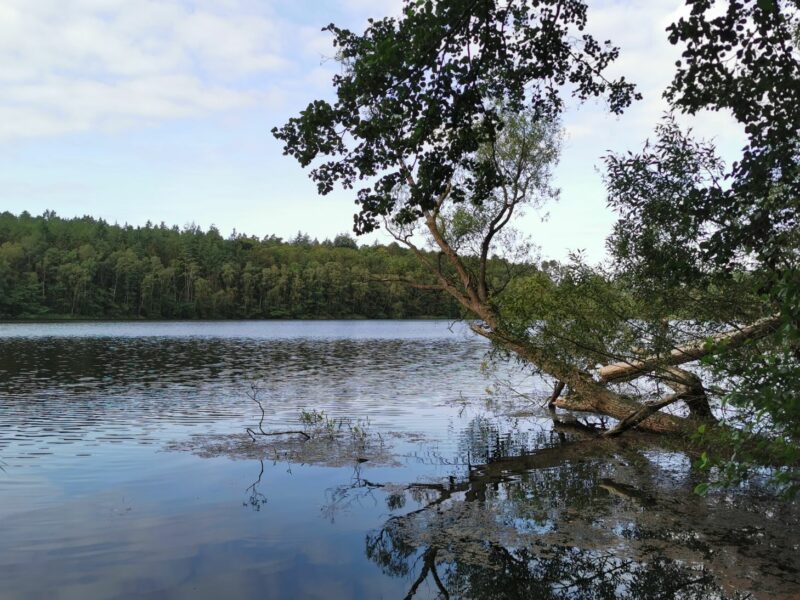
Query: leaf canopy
x=422 y=93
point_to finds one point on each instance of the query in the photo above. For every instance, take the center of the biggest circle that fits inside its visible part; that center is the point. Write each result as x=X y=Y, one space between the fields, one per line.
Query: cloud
x=76 y=65
x=647 y=59
x=56 y=105
x=375 y=8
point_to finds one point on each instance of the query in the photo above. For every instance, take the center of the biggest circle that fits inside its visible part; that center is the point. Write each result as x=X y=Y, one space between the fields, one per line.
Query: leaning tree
x=446 y=120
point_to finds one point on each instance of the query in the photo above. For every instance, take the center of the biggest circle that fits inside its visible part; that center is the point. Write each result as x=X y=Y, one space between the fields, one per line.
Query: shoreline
x=62 y=319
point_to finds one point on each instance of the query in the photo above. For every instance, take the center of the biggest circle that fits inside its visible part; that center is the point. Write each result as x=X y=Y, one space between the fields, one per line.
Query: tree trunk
x=621 y=371
x=691 y=390
x=605 y=402
x=587 y=394
x=559 y=387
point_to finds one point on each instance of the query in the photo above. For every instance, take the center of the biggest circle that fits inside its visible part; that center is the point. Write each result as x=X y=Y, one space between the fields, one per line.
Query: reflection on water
x=594 y=520
x=127 y=473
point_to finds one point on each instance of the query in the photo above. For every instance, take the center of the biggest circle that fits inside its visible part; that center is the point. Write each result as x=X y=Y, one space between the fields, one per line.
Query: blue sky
x=137 y=110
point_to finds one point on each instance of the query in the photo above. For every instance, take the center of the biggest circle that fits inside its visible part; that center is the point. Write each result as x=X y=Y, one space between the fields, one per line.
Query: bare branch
x=253 y=395
x=624 y=370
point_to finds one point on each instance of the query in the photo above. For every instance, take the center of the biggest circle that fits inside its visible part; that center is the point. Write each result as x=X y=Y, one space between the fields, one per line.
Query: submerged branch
x=253 y=395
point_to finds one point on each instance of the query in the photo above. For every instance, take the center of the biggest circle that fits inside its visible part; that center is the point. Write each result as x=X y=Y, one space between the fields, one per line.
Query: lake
x=127 y=472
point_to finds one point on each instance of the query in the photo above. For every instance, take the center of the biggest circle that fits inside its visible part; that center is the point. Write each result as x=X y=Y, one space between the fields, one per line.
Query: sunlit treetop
x=420 y=94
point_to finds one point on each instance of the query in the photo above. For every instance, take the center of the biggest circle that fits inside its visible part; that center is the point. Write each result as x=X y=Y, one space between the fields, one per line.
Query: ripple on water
x=91 y=501
x=88 y=382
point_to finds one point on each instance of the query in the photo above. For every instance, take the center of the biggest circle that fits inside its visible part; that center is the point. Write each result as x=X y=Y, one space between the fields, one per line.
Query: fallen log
x=626 y=370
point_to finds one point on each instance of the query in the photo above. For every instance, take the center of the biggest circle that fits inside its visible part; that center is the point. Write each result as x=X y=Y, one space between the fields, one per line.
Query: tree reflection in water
x=461 y=564
x=256 y=499
x=545 y=516
x=598 y=519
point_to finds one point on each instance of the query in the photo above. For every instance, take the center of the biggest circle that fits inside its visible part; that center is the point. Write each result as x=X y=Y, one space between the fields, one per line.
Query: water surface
x=124 y=476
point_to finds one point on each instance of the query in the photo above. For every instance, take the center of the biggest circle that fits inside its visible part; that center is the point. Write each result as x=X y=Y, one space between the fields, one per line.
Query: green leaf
x=704 y=460
x=766 y=5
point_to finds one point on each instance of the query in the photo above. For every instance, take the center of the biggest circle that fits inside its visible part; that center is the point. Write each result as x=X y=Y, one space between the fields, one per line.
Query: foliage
x=691 y=223
x=524 y=154
x=85 y=267
x=320 y=424
x=575 y=314
x=423 y=93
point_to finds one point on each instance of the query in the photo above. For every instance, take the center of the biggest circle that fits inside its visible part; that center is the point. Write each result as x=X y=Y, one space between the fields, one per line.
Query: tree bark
x=588 y=395
x=624 y=370
x=559 y=387
x=691 y=390
x=636 y=418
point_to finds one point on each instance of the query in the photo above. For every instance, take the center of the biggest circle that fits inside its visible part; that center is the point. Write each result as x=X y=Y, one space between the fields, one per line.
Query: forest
x=52 y=267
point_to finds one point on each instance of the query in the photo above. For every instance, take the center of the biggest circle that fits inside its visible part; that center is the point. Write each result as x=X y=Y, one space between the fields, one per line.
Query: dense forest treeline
x=84 y=267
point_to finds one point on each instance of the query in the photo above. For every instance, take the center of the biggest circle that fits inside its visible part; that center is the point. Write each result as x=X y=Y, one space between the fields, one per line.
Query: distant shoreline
x=63 y=319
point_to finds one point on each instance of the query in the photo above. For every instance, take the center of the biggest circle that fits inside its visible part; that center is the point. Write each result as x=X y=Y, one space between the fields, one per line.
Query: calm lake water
x=126 y=473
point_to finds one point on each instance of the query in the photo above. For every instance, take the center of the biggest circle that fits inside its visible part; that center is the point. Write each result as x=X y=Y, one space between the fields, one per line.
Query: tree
x=421 y=94
x=727 y=237
x=449 y=113
x=344 y=240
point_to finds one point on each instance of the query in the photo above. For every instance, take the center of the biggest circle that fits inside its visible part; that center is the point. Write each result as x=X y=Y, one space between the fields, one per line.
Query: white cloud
x=375 y=8
x=581 y=219
x=647 y=59
x=316 y=42
x=75 y=65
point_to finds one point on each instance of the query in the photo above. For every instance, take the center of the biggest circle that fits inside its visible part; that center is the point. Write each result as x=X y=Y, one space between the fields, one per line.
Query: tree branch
x=625 y=370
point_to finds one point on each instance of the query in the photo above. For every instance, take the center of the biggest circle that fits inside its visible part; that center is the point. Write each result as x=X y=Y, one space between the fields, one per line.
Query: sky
x=142 y=110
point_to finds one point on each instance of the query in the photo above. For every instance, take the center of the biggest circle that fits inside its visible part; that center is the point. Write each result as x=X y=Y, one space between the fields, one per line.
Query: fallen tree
x=621 y=371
